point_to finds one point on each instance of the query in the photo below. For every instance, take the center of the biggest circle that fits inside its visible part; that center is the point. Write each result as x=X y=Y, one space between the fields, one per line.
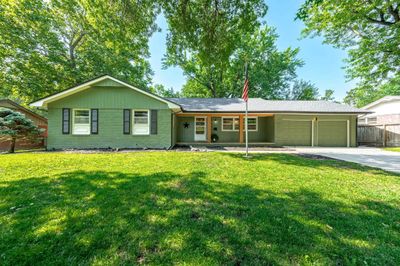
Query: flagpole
x=245 y=124
x=247 y=132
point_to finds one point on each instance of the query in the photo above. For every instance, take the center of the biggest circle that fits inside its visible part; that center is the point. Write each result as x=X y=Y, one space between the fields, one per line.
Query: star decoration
x=186 y=125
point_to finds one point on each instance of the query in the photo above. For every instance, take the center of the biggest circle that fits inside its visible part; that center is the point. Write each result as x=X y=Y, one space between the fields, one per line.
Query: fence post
x=384 y=135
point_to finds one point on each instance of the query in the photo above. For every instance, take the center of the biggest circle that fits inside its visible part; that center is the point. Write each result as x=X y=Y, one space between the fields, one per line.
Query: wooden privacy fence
x=379 y=135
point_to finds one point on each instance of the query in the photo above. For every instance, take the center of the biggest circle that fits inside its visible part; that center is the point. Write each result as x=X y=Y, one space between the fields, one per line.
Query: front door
x=200 y=128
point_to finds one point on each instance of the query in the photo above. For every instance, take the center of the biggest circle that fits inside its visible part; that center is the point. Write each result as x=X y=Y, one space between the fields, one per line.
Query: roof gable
x=382 y=101
x=7 y=103
x=105 y=80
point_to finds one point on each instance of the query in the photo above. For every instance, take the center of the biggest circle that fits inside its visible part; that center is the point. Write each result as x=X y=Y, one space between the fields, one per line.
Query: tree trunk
x=12 y=147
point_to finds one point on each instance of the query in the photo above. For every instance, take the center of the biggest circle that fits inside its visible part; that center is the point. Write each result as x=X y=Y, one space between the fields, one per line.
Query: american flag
x=245 y=94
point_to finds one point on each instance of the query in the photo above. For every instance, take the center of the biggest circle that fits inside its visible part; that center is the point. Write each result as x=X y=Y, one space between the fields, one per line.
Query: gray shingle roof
x=262 y=106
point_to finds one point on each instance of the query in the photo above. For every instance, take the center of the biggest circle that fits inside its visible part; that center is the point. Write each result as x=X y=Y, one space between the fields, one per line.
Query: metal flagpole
x=247 y=132
x=245 y=123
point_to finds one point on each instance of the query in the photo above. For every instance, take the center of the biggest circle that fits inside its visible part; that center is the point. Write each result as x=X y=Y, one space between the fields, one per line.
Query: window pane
x=81 y=122
x=236 y=124
x=141 y=122
x=371 y=120
x=227 y=123
x=252 y=124
x=81 y=117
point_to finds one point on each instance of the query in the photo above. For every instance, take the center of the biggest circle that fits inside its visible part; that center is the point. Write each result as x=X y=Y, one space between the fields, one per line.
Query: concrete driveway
x=374 y=157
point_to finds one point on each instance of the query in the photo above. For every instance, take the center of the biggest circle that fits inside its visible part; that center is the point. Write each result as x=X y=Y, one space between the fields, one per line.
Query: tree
x=364 y=95
x=368 y=30
x=302 y=90
x=162 y=91
x=204 y=34
x=47 y=46
x=270 y=70
x=14 y=125
x=328 y=96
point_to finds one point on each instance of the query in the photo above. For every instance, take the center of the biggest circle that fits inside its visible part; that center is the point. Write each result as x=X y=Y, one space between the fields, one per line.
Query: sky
x=323 y=63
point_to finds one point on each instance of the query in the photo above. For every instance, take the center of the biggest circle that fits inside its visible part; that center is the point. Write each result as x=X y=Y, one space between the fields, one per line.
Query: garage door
x=296 y=133
x=332 y=133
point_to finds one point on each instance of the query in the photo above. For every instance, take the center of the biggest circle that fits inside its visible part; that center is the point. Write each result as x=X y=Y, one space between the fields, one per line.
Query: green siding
x=297 y=132
x=185 y=134
x=110 y=100
x=224 y=136
x=265 y=132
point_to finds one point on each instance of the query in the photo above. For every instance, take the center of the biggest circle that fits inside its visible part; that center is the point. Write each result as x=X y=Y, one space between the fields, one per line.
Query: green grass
x=397 y=149
x=195 y=209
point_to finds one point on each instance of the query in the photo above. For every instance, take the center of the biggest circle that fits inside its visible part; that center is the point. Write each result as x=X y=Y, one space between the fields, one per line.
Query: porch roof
x=258 y=105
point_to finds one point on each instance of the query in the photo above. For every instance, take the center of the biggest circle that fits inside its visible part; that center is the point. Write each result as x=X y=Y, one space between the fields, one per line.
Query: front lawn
x=195 y=208
x=397 y=149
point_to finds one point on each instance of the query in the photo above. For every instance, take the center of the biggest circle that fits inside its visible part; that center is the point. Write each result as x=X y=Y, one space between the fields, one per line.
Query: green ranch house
x=108 y=113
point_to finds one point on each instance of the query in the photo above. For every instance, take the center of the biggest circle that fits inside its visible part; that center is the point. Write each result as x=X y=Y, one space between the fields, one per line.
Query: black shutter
x=127 y=121
x=153 y=124
x=66 y=117
x=94 y=121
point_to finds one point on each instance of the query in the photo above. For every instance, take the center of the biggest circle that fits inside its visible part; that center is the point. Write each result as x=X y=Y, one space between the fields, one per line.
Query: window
x=371 y=120
x=81 y=122
x=230 y=123
x=252 y=123
x=141 y=125
x=361 y=121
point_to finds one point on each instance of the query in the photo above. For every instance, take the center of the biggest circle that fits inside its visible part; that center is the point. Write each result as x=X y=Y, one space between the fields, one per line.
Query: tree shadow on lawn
x=163 y=218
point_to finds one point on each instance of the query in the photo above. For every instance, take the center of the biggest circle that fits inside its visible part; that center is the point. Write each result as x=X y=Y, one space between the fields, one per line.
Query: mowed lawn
x=195 y=209
x=397 y=149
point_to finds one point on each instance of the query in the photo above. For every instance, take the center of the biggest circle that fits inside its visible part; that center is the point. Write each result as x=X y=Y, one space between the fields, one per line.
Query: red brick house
x=39 y=120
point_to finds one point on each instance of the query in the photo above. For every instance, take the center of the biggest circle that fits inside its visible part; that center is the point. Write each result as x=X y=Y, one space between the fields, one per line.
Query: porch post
x=209 y=126
x=240 y=128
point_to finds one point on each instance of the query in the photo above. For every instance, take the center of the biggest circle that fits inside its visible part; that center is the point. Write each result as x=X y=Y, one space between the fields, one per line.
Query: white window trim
x=233 y=123
x=73 y=121
x=133 y=121
x=251 y=117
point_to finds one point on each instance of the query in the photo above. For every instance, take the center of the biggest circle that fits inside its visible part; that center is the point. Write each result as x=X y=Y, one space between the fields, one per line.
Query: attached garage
x=315 y=130
x=296 y=132
x=332 y=133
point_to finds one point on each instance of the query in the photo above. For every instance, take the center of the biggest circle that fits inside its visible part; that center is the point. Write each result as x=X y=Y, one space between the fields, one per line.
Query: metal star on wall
x=186 y=125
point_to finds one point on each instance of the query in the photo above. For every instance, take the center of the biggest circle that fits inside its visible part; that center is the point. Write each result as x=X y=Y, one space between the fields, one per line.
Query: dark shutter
x=127 y=121
x=153 y=125
x=94 y=121
x=66 y=117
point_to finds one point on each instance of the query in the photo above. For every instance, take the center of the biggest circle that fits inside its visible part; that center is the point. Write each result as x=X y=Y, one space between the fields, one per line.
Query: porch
x=226 y=129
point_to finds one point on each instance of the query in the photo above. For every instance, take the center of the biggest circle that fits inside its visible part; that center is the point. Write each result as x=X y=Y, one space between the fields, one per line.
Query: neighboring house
x=38 y=120
x=381 y=127
x=385 y=111
x=109 y=113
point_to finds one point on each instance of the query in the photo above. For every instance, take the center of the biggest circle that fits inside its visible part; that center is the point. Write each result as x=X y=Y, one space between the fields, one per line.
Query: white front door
x=200 y=128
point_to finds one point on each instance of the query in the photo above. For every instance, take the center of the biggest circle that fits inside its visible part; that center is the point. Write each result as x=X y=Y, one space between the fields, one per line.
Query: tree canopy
x=270 y=71
x=46 y=46
x=213 y=40
x=369 y=31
